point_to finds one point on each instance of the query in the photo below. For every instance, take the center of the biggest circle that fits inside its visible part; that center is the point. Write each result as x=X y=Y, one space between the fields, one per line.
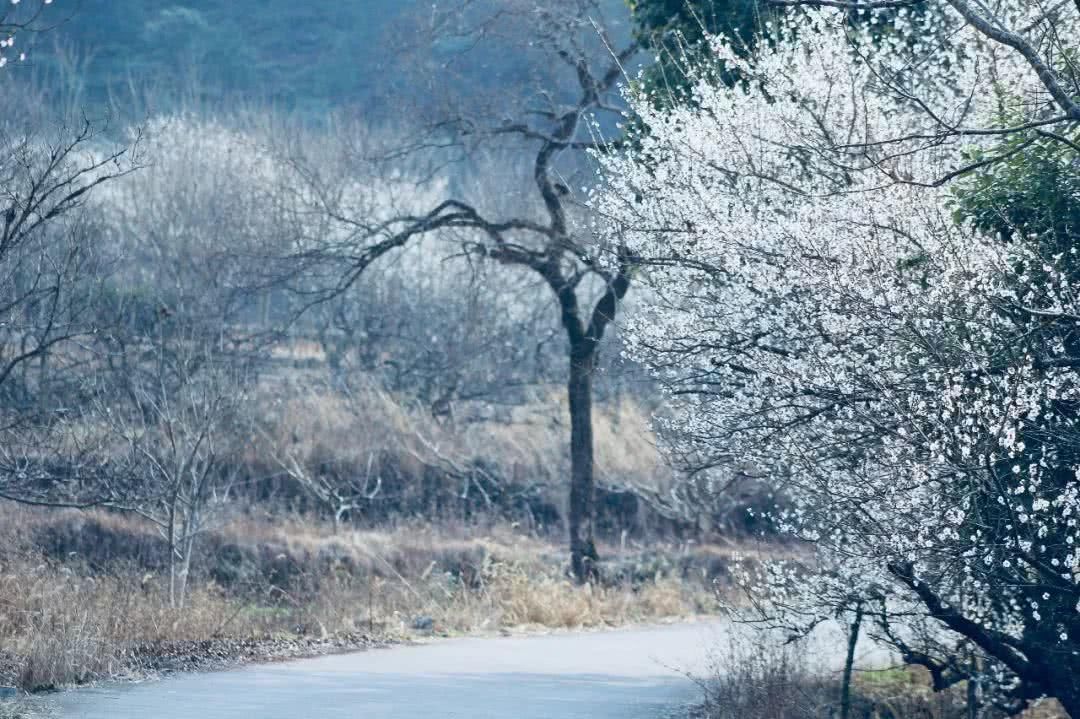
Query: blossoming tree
x=827 y=308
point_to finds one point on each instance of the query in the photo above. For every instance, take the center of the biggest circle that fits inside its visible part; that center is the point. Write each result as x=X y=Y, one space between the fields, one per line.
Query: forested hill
x=310 y=56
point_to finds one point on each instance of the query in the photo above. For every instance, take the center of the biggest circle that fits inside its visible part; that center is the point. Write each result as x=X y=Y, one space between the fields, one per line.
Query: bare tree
x=336 y=488
x=554 y=131
x=175 y=369
x=185 y=437
x=52 y=274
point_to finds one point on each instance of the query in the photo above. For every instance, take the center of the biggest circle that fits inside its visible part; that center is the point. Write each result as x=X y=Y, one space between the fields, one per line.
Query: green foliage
x=675 y=31
x=693 y=19
x=1033 y=195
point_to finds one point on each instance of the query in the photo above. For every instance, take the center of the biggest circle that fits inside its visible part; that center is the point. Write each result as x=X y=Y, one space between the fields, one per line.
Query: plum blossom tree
x=825 y=309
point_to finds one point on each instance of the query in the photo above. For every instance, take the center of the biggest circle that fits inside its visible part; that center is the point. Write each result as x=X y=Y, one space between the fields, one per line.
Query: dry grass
x=312 y=421
x=501 y=595
x=754 y=679
x=60 y=628
x=757 y=677
x=907 y=692
x=464 y=583
x=72 y=619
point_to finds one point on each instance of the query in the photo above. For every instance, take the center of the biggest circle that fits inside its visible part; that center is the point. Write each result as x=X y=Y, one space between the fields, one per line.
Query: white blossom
x=824 y=317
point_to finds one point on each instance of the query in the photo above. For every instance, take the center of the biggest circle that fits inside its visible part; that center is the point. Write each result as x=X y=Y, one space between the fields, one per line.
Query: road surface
x=623 y=674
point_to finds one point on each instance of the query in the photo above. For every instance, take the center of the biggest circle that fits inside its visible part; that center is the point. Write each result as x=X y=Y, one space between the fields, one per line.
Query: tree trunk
x=973 y=690
x=190 y=529
x=185 y=571
x=849 y=664
x=171 y=538
x=579 y=392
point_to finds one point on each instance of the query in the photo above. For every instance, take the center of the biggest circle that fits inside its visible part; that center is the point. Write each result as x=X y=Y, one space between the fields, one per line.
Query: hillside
x=309 y=57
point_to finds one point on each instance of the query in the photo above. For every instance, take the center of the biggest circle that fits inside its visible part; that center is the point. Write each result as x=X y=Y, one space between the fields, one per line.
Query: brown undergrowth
x=83 y=595
x=758 y=677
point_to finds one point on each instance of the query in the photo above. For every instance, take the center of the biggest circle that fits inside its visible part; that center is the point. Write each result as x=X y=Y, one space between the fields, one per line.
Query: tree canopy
x=864 y=267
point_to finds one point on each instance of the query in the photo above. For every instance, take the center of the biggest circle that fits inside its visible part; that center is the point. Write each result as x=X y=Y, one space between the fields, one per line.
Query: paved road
x=625 y=674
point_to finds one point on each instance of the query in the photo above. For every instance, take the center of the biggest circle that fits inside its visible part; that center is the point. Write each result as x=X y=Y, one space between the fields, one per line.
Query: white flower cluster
x=822 y=313
x=7 y=44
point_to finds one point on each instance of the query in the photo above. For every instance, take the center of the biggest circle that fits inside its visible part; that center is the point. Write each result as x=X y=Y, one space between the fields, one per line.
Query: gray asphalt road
x=625 y=674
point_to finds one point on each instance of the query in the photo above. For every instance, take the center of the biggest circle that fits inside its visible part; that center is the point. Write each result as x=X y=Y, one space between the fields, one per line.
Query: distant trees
x=250 y=242
x=233 y=240
x=866 y=287
x=455 y=336
x=315 y=59
x=190 y=228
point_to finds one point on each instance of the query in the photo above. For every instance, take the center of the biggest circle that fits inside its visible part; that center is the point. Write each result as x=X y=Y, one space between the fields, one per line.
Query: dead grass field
x=84 y=594
x=70 y=617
